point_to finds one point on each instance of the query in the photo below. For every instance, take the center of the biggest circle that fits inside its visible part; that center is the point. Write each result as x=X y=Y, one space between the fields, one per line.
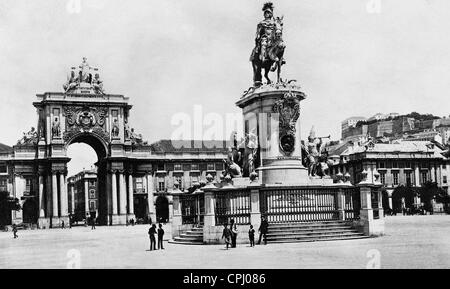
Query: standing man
x=263 y=230
x=93 y=219
x=251 y=236
x=160 y=237
x=234 y=232
x=14 y=229
x=151 y=234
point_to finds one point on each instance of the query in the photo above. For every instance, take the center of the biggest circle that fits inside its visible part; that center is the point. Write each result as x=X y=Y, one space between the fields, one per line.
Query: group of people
x=160 y=233
x=230 y=233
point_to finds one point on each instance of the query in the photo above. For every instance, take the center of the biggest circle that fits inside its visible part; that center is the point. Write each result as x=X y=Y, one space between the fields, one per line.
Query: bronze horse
x=274 y=58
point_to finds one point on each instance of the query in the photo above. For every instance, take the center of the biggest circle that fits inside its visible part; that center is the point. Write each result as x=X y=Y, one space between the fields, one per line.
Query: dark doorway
x=162 y=209
x=30 y=211
x=140 y=208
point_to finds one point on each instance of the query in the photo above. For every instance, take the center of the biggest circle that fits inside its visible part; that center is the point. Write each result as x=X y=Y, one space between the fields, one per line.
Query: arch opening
x=87 y=180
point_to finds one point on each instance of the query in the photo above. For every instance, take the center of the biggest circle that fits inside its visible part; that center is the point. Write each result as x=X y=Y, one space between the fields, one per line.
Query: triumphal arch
x=82 y=113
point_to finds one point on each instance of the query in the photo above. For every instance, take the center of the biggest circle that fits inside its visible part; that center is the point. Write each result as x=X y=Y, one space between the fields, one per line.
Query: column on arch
x=41 y=196
x=63 y=194
x=55 y=208
x=122 y=194
x=130 y=194
x=48 y=196
x=114 y=192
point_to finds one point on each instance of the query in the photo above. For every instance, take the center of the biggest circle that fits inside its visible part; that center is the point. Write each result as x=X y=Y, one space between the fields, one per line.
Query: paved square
x=410 y=242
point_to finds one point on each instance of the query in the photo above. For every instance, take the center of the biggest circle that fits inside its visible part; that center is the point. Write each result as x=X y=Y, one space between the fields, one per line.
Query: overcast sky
x=170 y=55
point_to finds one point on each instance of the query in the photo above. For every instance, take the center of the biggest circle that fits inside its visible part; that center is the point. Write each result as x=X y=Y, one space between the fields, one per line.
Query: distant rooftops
x=189 y=146
x=4 y=149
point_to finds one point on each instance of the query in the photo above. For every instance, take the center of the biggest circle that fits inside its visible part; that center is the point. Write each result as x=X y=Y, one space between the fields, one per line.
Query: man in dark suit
x=263 y=230
x=160 y=237
x=151 y=233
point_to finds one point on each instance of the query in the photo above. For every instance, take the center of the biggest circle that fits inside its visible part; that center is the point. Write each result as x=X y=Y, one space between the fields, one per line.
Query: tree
x=400 y=192
x=7 y=205
x=444 y=198
x=428 y=192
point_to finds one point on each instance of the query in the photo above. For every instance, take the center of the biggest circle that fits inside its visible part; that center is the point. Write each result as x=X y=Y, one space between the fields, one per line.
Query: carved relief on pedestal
x=288 y=109
x=81 y=119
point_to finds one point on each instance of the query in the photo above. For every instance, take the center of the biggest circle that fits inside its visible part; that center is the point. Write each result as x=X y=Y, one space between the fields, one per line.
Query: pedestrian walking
x=70 y=221
x=151 y=233
x=14 y=229
x=62 y=224
x=234 y=232
x=227 y=235
x=251 y=236
x=160 y=237
x=263 y=228
x=93 y=219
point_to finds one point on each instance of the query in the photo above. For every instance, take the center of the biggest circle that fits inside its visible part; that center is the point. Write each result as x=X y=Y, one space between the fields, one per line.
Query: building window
x=28 y=185
x=383 y=178
x=194 y=167
x=179 y=180
x=92 y=194
x=210 y=167
x=194 y=179
x=177 y=167
x=161 y=167
x=395 y=178
x=219 y=166
x=92 y=183
x=444 y=179
x=3 y=185
x=408 y=165
x=92 y=206
x=395 y=165
x=381 y=165
x=424 y=177
x=3 y=169
x=161 y=185
x=408 y=178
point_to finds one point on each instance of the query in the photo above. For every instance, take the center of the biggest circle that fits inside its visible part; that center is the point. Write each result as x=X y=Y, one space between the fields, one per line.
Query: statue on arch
x=56 y=128
x=97 y=84
x=85 y=71
x=269 y=46
x=29 y=137
x=115 y=129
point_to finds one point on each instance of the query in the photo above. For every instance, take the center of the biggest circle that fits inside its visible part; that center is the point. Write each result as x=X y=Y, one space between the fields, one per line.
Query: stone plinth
x=272 y=113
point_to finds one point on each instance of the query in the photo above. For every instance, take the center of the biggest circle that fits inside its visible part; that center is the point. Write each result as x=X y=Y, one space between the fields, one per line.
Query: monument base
x=43 y=223
x=286 y=172
x=118 y=220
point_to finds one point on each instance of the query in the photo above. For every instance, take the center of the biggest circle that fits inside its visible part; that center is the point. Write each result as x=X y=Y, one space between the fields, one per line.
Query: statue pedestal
x=272 y=113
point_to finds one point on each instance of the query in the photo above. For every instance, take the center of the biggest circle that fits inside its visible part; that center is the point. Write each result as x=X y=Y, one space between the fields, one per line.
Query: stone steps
x=319 y=239
x=193 y=236
x=310 y=232
x=309 y=228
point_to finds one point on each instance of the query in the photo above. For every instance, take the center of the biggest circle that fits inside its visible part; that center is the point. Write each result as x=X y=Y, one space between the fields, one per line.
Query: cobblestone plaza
x=410 y=242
